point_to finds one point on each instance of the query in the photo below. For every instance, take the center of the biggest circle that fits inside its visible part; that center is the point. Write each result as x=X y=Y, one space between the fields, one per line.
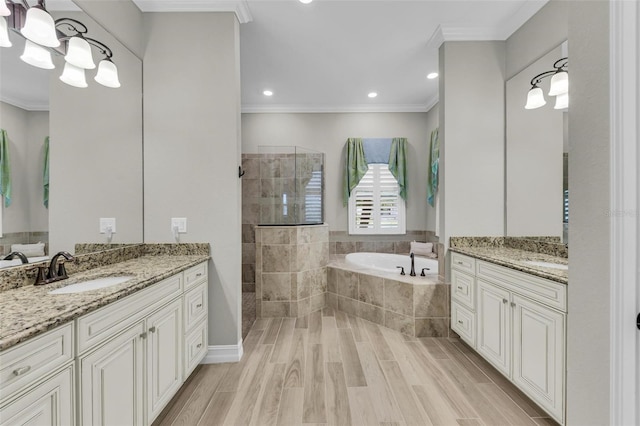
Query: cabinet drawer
x=463 y=263
x=29 y=361
x=463 y=322
x=108 y=321
x=195 y=347
x=539 y=289
x=49 y=403
x=195 y=305
x=195 y=275
x=463 y=288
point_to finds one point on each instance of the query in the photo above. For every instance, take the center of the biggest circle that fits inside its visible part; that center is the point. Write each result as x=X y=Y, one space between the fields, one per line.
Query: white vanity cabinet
x=463 y=297
x=129 y=359
x=36 y=380
x=520 y=327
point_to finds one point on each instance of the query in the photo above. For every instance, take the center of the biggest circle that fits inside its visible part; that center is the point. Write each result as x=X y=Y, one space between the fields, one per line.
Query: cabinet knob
x=513 y=304
x=459 y=287
x=199 y=345
x=459 y=262
x=152 y=329
x=460 y=322
x=504 y=300
x=143 y=335
x=199 y=274
x=22 y=370
x=199 y=305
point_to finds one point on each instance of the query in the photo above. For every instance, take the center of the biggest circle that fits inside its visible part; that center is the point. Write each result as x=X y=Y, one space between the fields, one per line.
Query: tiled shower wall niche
x=291 y=269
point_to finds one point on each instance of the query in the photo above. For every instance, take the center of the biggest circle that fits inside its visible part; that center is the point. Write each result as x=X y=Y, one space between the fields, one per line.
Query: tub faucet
x=413 y=264
x=13 y=254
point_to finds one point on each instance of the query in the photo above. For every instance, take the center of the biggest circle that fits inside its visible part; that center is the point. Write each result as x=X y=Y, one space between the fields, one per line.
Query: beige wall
x=472 y=148
x=328 y=133
x=26 y=131
x=192 y=148
x=588 y=375
x=96 y=152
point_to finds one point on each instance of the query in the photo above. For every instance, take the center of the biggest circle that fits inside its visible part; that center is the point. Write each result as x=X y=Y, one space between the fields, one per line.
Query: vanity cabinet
x=520 y=326
x=130 y=358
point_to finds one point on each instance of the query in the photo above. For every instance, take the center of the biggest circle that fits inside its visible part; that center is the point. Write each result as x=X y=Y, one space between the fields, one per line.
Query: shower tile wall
x=291 y=270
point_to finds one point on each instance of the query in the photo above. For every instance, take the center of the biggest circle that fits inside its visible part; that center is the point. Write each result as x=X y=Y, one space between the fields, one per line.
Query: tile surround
x=290 y=270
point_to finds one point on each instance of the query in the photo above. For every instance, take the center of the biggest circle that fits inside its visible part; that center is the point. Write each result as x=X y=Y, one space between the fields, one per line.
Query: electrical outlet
x=181 y=223
x=105 y=223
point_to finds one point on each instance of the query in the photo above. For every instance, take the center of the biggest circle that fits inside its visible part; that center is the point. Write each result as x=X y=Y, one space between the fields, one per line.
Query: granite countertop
x=516 y=259
x=28 y=311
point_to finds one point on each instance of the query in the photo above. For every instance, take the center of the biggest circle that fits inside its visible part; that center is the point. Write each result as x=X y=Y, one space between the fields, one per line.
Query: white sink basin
x=548 y=265
x=90 y=285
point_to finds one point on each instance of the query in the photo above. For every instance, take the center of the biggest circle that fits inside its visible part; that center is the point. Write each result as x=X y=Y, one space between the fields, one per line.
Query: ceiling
x=327 y=56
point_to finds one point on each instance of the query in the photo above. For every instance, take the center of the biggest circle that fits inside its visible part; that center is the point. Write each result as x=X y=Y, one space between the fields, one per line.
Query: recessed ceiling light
x=372 y=94
x=432 y=75
x=305 y=1
x=267 y=93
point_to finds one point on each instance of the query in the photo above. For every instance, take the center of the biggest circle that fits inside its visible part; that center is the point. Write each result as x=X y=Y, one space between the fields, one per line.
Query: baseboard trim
x=217 y=354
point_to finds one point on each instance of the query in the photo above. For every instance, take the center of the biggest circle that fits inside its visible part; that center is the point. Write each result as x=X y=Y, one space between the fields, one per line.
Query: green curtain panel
x=5 y=168
x=45 y=173
x=434 y=162
x=398 y=164
x=355 y=166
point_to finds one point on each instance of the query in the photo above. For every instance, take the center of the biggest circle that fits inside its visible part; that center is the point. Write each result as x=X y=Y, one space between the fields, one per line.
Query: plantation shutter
x=313 y=198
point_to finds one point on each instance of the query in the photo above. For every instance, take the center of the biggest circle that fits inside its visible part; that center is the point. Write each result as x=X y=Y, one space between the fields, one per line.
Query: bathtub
x=388 y=262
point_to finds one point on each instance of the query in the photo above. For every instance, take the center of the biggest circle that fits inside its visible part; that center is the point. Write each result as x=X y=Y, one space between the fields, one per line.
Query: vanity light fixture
x=64 y=36
x=559 y=87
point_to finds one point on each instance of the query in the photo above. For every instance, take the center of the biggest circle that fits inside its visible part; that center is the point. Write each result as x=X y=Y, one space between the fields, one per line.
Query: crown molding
x=319 y=109
x=433 y=101
x=239 y=7
x=27 y=106
x=500 y=32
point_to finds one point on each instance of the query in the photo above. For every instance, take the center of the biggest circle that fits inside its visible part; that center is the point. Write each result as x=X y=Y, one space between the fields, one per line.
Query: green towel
x=5 y=168
x=432 y=173
x=355 y=166
x=45 y=173
x=398 y=164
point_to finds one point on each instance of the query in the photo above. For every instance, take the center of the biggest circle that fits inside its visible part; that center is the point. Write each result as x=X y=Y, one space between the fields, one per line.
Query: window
x=313 y=198
x=375 y=205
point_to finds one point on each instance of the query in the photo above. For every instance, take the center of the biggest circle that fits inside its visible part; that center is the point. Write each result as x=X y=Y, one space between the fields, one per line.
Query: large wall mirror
x=95 y=149
x=536 y=158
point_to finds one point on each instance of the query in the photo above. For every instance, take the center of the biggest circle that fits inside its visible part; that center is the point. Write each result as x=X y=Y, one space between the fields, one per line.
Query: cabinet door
x=539 y=353
x=111 y=381
x=494 y=325
x=164 y=356
x=49 y=403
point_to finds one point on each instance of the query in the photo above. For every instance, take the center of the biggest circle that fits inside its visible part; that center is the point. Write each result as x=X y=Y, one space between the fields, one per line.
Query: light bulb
x=562 y=101
x=559 y=83
x=107 y=74
x=79 y=53
x=73 y=76
x=40 y=28
x=535 y=98
x=36 y=55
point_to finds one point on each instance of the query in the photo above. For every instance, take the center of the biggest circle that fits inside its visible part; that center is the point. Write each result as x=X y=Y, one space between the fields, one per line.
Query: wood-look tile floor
x=334 y=369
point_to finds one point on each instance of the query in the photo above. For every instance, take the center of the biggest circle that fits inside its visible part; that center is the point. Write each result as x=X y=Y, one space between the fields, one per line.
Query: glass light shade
x=107 y=74
x=4 y=10
x=535 y=98
x=559 y=83
x=37 y=56
x=40 y=28
x=562 y=101
x=4 y=32
x=79 y=53
x=73 y=76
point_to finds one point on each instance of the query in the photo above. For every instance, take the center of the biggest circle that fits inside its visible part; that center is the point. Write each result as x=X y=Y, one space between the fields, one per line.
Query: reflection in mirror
x=536 y=151
x=95 y=153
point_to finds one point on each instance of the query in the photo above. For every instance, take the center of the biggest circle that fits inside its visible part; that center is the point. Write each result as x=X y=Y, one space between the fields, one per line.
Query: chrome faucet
x=13 y=254
x=49 y=274
x=413 y=264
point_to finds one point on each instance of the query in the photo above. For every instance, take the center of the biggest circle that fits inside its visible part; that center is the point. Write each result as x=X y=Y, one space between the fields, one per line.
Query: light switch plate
x=181 y=223
x=106 y=222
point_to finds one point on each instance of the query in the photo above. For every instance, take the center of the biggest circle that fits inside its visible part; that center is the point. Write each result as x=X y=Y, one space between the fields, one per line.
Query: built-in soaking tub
x=384 y=262
x=369 y=286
